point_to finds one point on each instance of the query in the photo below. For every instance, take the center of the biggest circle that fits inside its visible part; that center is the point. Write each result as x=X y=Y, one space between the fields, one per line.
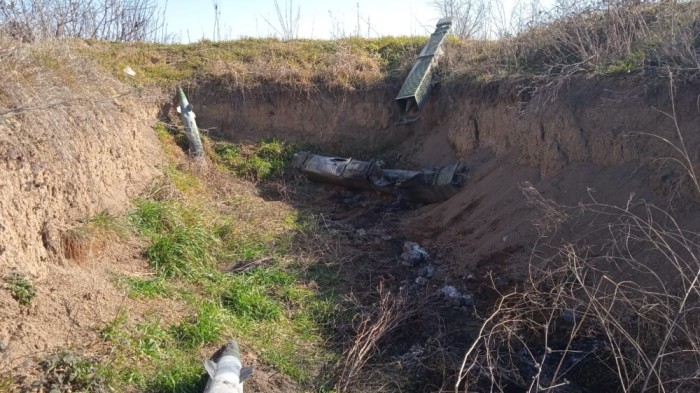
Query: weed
x=183 y=251
x=249 y=301
x=180 y=375
x=20 y=288
x=152 y=339
x=69 y=371
x=153 y=217
x=268 y=160
x=105 y=223
x=183 y=181
x=113 y=330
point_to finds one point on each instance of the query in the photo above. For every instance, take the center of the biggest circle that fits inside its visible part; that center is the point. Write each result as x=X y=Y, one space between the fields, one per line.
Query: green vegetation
x=71 y=371
x=145 y=288
x=21 y=289
x=264 y=161
x=300 y=64
x=268 y=302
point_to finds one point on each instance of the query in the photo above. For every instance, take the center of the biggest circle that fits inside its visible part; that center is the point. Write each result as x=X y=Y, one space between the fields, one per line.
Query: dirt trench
x=596 y=135
x=58 y=168
x=592 y=141
x=606 y=140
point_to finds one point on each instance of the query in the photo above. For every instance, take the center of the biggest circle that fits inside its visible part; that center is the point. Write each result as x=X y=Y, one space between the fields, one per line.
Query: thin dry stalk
x=390 y=312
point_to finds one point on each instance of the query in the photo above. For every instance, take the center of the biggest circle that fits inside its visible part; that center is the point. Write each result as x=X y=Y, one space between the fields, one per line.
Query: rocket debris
x=427 y=186
x=417 y=86
x=191 y=130
x=226 y=374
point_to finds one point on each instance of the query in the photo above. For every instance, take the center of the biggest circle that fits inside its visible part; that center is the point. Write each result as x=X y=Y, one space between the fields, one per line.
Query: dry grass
x=617 y=38
x=301 y=65
x=372 y=324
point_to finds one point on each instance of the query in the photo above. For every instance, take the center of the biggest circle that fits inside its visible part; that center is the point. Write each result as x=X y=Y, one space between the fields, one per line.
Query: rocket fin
x=246 y=372
x=210 y=366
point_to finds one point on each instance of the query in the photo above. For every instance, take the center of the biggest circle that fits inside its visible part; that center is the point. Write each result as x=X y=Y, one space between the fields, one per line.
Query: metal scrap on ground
x=191 y=130
x=418 y=83
x=427 y=186
x=226 y=375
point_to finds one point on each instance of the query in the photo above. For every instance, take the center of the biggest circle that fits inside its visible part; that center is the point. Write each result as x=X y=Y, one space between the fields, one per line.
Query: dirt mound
x=73 y=142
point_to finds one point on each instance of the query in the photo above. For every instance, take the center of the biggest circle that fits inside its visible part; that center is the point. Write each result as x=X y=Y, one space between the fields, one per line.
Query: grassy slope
x=608 y=41
x=248 y=63
x=196 y=228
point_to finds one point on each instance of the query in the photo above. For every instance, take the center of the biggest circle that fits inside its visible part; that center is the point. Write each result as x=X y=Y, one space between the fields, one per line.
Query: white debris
x=413 y=254
x=450 y=291
x=129 y=71
x=456 y=298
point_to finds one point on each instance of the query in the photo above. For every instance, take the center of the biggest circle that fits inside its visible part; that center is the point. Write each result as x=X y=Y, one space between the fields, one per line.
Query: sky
x=190 y=21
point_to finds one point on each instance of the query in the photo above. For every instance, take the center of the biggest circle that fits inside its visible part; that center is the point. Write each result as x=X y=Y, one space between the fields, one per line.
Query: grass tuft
x=183 y=251
x=265 y=161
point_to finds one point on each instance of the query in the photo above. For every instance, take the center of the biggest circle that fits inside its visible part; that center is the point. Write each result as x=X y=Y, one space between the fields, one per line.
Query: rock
x=413 y=254
x=456 y=298
x=421 y=281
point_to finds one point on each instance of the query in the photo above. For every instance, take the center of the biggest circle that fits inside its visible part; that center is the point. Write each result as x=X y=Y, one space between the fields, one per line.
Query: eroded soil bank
x=598 y=138
x=612 y=135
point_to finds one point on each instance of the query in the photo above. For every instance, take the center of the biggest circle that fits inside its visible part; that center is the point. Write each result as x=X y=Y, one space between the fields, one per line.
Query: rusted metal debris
x=427 y=186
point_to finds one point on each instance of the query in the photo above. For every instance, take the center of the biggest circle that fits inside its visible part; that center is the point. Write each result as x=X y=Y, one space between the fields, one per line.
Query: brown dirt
x=596 y=134
x=73 y=142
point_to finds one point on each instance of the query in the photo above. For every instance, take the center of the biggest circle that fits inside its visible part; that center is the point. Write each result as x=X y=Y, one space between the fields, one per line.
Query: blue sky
x=193 y=20
x=322 y=19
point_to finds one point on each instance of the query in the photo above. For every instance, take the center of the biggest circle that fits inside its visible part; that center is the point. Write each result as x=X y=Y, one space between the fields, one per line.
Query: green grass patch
x=146 y=288
x=271 y=305
x=21 y=289
x=183 y=181
x=264 y=161
x=183 y=251
x=206 y=326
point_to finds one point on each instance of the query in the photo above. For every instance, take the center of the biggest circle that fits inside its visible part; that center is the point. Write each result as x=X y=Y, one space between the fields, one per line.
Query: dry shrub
x=389 y=312
x=608 y=38
x=619 y=302
x=614 y=309
x=114 y=20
